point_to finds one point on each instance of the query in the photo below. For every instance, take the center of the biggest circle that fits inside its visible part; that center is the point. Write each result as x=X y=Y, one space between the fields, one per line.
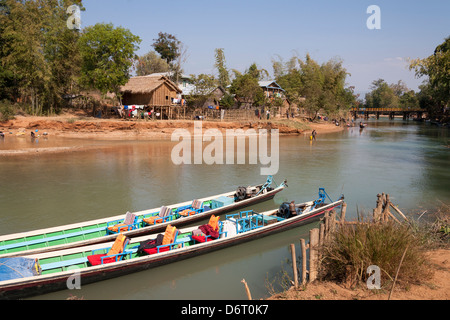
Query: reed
x=352 y=248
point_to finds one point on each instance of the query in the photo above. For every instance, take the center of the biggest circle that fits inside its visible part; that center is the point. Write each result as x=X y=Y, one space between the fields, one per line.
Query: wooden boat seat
x=115 y=253
x=161 y=217
x=168 y=242
x=127 y=224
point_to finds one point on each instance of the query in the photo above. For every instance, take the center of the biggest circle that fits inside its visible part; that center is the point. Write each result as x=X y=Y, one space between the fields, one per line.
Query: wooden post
x=385 y=214
x=321 y=233
x=326 y=221
x=378 y=209
x=294 y=265
x=313 y=254
x=343 y=212
x=304 y=258
x=249 y=295
x=332 y=223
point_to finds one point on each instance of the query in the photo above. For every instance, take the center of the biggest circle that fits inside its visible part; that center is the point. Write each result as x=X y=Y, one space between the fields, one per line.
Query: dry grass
x=353 y=248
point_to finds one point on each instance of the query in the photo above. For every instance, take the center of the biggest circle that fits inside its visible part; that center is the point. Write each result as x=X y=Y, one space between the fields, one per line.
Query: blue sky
x=260 y=30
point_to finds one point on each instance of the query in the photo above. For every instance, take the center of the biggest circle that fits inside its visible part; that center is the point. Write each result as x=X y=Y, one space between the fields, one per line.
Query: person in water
x=314 y=133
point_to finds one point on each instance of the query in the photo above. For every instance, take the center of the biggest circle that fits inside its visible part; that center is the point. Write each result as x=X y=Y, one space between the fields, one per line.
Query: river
x=408 y=160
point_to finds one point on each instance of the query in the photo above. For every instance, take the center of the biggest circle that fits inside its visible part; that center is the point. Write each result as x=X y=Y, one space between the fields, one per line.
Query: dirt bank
x=67 y=125
x=71 y=125
x=436 y=288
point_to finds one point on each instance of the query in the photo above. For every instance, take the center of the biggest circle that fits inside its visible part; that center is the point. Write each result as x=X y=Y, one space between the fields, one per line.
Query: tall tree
x=437 y=70
x=107 y=54
x=381 y=95
x=173 y=51
x=151 y=63
x=37 y=52
x=167 y=45
x=247 y=90
x=315 y=87
x=204 y=86
x=224 y=76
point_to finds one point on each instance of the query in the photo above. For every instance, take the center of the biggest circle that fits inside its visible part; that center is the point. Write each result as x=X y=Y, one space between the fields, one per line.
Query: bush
x=6 y=111
x=353 y=248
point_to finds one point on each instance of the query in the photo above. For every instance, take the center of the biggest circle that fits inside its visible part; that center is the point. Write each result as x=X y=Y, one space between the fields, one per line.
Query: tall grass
x=353 y=248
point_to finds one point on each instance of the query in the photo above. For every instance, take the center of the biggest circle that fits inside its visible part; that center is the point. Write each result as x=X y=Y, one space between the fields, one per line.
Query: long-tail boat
x=136 y=224
x=38 y=274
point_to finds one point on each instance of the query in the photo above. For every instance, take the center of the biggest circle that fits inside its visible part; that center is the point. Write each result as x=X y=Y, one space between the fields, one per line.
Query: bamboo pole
x=313 y=254
x=303 y=245
x=249 y=295
x=393 y=217
x=294 y=265
x=398 y=211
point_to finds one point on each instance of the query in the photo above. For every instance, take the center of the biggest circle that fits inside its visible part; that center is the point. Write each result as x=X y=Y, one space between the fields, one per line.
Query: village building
x=152 y=91
x=273 y=90
x=154 y=94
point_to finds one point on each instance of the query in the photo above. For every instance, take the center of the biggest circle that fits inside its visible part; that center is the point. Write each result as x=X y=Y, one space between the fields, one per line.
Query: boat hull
x=39 y=285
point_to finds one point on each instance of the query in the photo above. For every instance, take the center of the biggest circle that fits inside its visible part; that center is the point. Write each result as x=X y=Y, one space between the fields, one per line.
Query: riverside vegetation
x=401 y=249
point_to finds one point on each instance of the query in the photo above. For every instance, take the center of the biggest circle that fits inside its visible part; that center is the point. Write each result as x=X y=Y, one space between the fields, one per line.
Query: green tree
x=227 y=101
x=381 y=95
x=37 y=52
x=409 y=100
x=151 y=63
x=204 y=86
x=173 y=51
x=437 y=86
x=224 y=76
x=107 y=55
x=167 y=45
x=317 y=88
x=258 y=74
x=247 y=90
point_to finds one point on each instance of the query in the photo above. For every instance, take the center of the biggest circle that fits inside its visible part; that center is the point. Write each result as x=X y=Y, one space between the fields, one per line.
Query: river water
x=408 y=160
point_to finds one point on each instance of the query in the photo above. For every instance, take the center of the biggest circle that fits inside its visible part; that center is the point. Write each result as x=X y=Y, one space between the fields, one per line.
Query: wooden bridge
x=391 y=112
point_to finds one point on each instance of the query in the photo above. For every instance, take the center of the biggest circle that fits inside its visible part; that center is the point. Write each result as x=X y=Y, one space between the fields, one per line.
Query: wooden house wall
x=162 y=96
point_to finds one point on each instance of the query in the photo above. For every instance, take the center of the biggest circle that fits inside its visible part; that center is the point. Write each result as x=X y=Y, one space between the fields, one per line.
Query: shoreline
x=437 y=287
x=88 y=128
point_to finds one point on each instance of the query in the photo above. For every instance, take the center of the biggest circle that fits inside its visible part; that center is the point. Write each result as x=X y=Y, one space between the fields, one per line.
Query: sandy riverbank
x=76 y=126
x=435 y=288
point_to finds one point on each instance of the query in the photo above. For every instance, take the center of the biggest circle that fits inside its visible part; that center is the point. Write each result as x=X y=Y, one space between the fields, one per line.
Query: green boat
x=135 y=224
x=37 y=274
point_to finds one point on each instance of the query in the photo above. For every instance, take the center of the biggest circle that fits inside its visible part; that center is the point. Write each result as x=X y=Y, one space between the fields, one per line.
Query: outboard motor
x=241 y=194
x=284 y=211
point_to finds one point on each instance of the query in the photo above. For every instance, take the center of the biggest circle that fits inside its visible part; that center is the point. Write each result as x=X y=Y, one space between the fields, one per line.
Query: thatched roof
x=147 y=84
